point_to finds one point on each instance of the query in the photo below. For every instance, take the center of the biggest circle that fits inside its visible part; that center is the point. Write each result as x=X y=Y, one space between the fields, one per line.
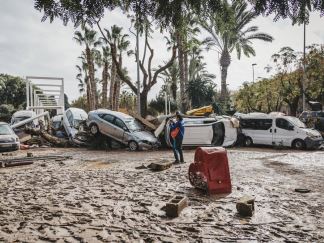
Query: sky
x=29 y=47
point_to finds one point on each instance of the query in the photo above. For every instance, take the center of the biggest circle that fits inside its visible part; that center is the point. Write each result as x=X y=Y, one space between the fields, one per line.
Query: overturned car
x=218 y=131
x=122 y=128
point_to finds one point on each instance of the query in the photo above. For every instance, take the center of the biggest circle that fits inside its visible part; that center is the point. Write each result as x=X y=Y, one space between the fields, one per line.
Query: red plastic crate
x=210 y=171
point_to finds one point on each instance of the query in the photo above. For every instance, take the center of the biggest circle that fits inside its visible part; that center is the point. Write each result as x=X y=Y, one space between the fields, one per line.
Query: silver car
x=122 y=128
x=8 y=139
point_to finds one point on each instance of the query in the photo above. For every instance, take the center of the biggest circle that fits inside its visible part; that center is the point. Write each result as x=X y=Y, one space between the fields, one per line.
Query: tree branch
x=166 y=66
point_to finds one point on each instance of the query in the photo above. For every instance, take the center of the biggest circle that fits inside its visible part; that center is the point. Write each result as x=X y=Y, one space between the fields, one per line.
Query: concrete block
x=245 y=206
x=176 y=204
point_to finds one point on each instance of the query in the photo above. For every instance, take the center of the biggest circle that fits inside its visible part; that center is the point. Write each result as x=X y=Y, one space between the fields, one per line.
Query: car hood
x=145 y=135
x=7 y=137
x=312 y=132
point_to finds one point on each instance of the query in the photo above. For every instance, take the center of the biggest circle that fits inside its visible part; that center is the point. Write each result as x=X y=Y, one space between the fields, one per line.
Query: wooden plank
x=141 y=119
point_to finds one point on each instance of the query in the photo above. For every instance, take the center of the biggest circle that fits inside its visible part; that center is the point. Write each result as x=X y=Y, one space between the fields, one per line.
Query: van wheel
x=298 y=144
x=133 y=146
x=248 y=142
x=94 y=129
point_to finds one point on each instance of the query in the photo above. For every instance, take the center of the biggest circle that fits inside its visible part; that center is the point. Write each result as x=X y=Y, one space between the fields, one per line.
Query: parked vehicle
x=19 y=116
x=121 y=127
x=288 y=131
x=8 y=139
x=313 y=119
x=206 y=132
x=72 y=120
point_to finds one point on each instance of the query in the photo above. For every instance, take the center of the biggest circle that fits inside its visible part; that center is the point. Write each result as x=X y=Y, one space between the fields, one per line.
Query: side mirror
x=125 y=129
x=291 y=128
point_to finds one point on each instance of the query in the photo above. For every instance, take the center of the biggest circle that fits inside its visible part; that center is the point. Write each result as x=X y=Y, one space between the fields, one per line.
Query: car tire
x=94 y=130
x=133 y=146
x=248 y=142
x=298 y=144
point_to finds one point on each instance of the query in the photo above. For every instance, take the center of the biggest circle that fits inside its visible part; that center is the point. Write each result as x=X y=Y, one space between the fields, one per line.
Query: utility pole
x=254 y=64
x=304 y=67
x=138 y=70
x=166 y=103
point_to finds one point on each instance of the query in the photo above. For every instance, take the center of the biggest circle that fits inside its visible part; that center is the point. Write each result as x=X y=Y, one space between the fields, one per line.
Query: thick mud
x=100 y=196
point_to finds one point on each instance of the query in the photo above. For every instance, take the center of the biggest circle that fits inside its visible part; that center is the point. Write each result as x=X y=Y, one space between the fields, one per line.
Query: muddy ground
x=99 y=196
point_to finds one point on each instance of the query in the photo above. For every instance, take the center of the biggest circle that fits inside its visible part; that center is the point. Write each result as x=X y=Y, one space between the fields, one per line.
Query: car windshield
x=133 y=125
x=296 y=122
x=5 y=130
x=19 y=119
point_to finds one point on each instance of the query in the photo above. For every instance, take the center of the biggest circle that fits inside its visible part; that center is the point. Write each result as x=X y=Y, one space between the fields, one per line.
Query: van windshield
x=296 y=122
x=133 y=125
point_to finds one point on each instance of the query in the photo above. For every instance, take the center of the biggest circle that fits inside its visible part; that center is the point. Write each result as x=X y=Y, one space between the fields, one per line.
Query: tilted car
x=8 y=139
x=206 y=132
x=122 y=128
x=72 y=120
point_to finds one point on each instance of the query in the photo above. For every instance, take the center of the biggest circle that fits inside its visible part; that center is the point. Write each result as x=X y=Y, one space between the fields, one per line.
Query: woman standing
x=177 y=133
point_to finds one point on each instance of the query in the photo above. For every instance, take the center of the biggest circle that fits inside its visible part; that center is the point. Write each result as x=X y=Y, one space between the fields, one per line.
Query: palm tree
x=121 y=44
x=106 y=60
x=232 y=32
x=171 y=79
x=88 y=38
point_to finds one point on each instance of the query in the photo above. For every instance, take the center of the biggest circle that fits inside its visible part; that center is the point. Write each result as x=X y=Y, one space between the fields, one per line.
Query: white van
x=278 y=130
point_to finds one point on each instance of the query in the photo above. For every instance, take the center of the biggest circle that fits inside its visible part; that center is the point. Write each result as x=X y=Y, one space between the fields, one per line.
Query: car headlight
x=311 y=135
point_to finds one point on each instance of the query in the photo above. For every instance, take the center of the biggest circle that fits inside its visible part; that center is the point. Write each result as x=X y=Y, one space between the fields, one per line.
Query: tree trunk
x=225 y=61
x=118 y=84
x=112 y=85
x=181 y=74
x=186 y=74
x=143 y=98
x=92 y=81
x=104 y=85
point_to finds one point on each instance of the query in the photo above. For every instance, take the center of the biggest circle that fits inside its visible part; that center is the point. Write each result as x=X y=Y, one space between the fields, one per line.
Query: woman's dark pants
x=177 y=149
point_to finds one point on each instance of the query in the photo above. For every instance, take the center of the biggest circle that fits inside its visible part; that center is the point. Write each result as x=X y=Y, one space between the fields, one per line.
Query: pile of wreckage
x=111 y=128
x=77 y=128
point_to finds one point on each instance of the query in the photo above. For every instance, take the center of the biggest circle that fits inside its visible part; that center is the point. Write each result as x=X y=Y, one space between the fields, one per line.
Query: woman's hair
x=178 y=115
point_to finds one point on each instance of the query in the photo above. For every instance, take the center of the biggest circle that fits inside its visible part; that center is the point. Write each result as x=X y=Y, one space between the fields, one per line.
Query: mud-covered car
x=206 y=132
x=8 y=139
x=122 y=128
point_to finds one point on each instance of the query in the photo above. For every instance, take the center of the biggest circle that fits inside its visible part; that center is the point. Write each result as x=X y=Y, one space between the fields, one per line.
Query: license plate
x=5 y=145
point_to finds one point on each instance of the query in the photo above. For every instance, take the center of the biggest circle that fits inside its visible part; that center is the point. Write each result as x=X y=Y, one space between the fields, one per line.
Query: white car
x=19 y=116
x=278 y=130
x=206 y=132
x=72 y=119
x=8 y=139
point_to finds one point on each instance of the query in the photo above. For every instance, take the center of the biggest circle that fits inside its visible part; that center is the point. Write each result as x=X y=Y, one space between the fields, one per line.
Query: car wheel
x=133 y=146
x=94 y=129
x=298 y=144
x=248 y=142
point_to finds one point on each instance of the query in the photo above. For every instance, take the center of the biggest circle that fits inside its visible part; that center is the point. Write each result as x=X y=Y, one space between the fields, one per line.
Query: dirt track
x=100 y=196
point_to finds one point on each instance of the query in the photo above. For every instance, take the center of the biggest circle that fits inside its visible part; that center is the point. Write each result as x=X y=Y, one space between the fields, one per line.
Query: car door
x=119 y=129
x=284 y=132
x=107 y=126
x=68 y=122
